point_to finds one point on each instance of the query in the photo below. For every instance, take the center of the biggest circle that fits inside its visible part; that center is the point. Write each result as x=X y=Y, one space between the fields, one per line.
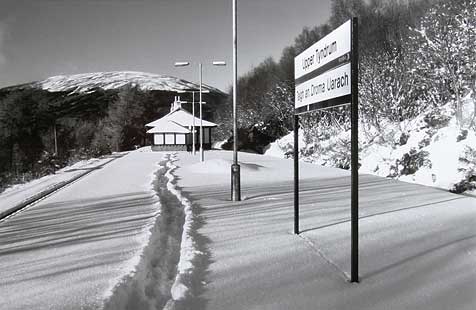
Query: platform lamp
x=193 y=91
x=184 y=64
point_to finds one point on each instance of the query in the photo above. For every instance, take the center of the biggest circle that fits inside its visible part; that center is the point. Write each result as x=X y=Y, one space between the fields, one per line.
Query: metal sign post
x=296 y=174
x=354 y=270
x=326 y=76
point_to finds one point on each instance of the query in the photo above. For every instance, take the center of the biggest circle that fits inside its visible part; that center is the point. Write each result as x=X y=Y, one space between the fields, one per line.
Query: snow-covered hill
x=88 y=82
x=432 y=149
x=111 y=80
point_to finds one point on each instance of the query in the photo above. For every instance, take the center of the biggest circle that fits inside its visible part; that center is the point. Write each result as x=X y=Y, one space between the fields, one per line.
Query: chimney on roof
x=177 y=104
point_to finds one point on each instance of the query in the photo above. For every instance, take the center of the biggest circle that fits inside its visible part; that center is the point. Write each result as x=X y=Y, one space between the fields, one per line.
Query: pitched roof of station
x=181 y=117
x=166 y=126
x=178 y=121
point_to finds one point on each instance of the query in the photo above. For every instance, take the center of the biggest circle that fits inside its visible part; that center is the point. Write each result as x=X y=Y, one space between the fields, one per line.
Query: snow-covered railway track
x=32 y=200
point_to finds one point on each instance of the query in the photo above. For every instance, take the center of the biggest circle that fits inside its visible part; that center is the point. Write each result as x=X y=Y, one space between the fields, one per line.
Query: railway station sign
x=326 y=76
x=322 y=72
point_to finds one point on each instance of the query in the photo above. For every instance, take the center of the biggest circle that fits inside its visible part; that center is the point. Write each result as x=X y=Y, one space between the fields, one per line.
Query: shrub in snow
x=436 y=118
x=424 y=142
x=338 y=154
x=462 y=135
x=412 y=161
x=468 y=168
x=403 y=138
x=47 y=164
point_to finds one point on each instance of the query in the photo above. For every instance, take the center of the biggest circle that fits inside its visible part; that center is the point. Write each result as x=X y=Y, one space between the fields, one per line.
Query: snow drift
x=432 y=149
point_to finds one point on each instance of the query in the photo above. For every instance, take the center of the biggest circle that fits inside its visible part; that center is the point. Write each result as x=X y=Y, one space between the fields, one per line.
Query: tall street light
x=235 y=167
x=193 y=91
x=184 y=64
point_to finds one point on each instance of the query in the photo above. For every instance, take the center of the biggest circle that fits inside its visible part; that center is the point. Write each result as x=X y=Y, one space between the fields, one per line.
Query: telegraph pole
x=235 y=168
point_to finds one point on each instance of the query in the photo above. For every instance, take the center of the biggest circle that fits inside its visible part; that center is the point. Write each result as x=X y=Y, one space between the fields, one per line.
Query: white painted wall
x=180 y=139
x=158 y=139
x=169 y=138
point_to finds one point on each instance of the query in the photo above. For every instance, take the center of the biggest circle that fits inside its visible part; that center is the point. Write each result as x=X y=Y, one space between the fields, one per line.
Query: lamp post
x=193 y=111
x=235 y=167
x=184 y=64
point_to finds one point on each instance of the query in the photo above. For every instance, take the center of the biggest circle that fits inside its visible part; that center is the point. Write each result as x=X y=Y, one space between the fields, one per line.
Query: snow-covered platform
x=417 y=244
x=84 y=246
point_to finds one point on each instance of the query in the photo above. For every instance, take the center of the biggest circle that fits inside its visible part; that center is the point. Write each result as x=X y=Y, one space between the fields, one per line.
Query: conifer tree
x=125 y=119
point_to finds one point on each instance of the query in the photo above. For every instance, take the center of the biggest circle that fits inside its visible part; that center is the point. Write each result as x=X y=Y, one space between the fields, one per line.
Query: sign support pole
x=354 y=156
x=296 y=174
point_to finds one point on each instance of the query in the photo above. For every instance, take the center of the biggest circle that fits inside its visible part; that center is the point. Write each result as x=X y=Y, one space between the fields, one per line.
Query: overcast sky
x=42 y=38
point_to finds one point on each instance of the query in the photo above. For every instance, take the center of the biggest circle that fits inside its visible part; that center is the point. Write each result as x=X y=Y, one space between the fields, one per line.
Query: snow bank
x=285 y=145
x=216 y=169
x=218 y=144
x=417 y=151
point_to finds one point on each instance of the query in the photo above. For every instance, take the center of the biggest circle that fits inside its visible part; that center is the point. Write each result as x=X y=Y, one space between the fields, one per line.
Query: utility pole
x=235 y=168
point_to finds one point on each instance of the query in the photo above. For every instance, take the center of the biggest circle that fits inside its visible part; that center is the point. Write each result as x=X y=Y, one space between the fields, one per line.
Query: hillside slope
x=432 y=149
x=86 y=93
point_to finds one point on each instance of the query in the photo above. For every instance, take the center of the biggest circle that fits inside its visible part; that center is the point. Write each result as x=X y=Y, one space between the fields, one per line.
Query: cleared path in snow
x=417 y=244
x=72 y=248
x=164 y=277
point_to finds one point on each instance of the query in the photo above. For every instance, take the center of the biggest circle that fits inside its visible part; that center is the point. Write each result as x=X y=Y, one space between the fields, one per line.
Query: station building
x=173 y=132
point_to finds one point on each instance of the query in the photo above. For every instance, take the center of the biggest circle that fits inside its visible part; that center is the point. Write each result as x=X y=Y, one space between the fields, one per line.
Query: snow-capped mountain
x=87 y=94
x=86 y=82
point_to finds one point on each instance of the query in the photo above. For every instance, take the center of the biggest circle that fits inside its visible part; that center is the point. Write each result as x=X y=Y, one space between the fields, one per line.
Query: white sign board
x=331 y=84
x=322 y=72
